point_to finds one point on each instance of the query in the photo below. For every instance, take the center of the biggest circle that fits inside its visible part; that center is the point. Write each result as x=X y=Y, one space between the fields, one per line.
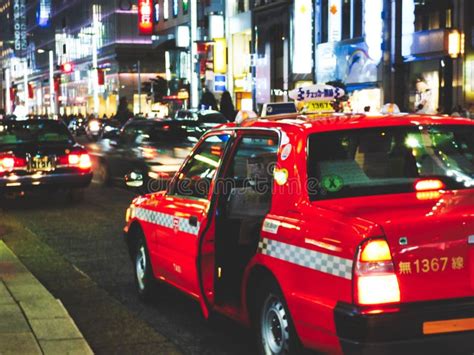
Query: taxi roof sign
x=317 y=92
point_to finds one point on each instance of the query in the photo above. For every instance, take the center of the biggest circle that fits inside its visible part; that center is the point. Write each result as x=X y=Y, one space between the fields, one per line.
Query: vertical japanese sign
x=44 y=13
x=19 y=25
x=303 y=39
x=145 y=17
x=334 y=20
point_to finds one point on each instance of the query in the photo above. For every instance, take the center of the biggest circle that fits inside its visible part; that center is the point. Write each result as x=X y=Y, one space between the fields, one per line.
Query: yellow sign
x=220 y=55
x=319 y=106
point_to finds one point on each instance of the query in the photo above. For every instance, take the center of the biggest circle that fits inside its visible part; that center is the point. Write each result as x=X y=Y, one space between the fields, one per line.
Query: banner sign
x=145 y=17
x=19 y=25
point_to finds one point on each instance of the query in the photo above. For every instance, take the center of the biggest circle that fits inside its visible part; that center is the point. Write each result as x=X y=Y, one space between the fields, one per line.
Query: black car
x=206 y=118
x=150 y=151
x=42 y=154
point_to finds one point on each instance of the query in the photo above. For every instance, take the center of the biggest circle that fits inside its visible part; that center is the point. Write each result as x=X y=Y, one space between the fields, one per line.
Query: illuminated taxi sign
x=318 y=92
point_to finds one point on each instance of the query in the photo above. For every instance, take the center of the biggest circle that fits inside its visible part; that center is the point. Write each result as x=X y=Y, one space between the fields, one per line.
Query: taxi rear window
x=388 y=160
x=33 y=132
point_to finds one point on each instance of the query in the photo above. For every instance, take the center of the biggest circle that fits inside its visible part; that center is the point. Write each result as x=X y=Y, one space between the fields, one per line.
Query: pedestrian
x=227 y=106
x=123 y=113
x=208 y=101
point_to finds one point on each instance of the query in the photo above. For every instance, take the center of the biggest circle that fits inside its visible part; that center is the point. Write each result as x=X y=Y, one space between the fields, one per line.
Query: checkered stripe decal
x=312 y=259
x=166 y=220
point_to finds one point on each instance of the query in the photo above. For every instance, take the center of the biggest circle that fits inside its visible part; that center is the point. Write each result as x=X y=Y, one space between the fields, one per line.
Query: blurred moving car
x=40 y=153
x=206 y=118
x=152 y=150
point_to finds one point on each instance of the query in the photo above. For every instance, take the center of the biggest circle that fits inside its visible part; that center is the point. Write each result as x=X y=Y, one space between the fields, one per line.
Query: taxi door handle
x=193 y=221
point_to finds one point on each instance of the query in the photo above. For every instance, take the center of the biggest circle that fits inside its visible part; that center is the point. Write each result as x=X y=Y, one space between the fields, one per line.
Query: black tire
x=145 y=283
x=276 y=334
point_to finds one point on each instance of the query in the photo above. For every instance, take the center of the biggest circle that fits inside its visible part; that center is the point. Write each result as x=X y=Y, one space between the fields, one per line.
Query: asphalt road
x=89 y=237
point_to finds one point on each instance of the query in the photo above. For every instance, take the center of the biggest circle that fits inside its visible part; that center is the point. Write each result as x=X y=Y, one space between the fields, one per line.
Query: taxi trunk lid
x=431 y=240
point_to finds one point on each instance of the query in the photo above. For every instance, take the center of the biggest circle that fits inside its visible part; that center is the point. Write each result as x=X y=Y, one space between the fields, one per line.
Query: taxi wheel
x=276 y=334
x=144 y=281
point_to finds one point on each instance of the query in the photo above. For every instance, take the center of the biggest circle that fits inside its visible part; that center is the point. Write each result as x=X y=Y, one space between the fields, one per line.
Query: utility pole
x=139 y=88
x=52 y=94
x=8 y=103
x=25 y=84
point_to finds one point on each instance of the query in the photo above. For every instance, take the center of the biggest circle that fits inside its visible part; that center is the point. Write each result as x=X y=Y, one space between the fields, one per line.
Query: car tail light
x=149 y=152
x=9 y=163
x=80 y=160
x=429 y=185
x=375 y=281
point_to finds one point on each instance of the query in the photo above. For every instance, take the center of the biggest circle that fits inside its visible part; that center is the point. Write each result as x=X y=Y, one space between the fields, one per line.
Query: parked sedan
x=42 y=154
x=150 y=151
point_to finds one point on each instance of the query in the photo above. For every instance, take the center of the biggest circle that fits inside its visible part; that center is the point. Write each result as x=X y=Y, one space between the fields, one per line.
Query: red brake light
x=7 y=164
x=81 y=160
x=375 y=281
x=429 y=185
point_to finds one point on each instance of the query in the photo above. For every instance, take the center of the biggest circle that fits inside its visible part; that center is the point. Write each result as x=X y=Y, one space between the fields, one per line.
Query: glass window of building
x=351 y=19
x=433 y=14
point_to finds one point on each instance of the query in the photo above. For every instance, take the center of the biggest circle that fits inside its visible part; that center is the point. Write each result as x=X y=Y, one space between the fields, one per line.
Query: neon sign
x=145 y=17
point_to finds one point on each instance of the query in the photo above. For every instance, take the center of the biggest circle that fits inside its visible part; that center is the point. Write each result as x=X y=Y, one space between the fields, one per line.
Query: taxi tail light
x=80 y=160
x=375 y=281
x=9 y=163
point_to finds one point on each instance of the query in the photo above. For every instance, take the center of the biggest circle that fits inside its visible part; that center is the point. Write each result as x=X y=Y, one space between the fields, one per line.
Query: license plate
x=41 y=164
x=448 y=326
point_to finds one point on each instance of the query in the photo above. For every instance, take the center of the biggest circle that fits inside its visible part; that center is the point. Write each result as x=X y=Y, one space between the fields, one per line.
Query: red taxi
x=343 y=234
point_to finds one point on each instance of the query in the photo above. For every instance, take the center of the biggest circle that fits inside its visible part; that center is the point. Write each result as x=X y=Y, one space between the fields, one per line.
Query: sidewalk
x=32 y=321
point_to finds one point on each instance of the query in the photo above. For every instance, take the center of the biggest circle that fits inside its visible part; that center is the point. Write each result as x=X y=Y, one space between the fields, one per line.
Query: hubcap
x=140 y=267
x=275 y=328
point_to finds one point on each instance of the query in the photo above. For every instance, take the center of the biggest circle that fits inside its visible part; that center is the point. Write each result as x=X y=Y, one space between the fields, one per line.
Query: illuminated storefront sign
x=19 y=25
x=302 y=50
x=408 y=26
x=185 y=6
x=334 y=20
x=220 y=56
x=166 y=9
x=157 y=12
x=175 y=8
x=44 y=13
x=373 y=29
x=182 y=36
x=145 y=17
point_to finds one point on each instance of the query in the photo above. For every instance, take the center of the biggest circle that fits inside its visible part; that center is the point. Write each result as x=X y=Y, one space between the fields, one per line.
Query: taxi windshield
x=33 y=131
x=389 y=160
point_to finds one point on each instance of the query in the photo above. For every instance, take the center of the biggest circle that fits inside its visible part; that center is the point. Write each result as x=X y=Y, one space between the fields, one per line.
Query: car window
x=25 y=132
x=251 y=173
x=196 y=177
x=389 y=160
x=216 y=117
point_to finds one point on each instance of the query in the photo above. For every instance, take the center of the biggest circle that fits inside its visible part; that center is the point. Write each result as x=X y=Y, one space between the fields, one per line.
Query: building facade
x=80 y=56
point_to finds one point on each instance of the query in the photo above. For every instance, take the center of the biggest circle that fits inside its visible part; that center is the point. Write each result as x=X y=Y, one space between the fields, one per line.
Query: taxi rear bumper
x=400 y=330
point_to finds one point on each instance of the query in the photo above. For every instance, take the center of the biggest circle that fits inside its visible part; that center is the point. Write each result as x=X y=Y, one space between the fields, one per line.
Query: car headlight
x=130 y=214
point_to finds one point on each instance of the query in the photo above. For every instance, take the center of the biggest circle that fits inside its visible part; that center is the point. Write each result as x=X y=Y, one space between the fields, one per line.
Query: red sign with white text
x=145 y=17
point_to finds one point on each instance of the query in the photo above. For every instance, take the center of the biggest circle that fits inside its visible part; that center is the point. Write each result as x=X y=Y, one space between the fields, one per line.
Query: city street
x=89 y=238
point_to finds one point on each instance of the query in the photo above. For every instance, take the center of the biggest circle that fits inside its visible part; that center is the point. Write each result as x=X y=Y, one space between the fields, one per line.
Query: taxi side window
x=252 y=174
x=196 y=177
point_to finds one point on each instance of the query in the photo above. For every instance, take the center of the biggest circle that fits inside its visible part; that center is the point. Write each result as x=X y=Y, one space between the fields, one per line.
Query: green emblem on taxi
x=332 y=183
